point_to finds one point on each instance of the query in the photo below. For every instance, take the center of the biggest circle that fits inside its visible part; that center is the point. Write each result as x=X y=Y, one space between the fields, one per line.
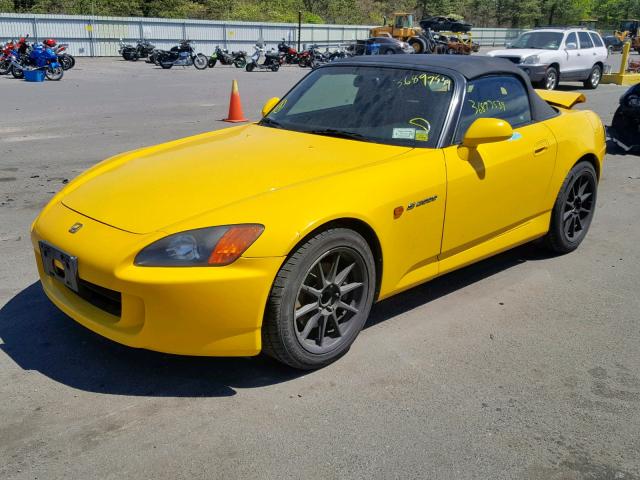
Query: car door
x=599 y=47
x=588 y=54
x=571 y=63
x=502 y=184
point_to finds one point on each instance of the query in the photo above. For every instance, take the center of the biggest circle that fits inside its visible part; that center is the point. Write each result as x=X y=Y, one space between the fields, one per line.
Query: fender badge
x=75 y=227
x=424 y=201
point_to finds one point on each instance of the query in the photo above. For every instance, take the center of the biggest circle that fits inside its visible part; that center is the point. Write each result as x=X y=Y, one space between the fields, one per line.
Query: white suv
x=550 y=55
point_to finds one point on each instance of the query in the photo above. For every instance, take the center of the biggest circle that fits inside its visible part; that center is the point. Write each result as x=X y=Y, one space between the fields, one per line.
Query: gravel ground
x=521 y=366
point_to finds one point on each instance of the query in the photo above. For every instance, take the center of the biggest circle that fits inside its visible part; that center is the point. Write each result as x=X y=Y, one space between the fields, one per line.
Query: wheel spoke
x=344 y=289
x=342 y=276
x=566 y=215
x=323 y=280
x=581 y=188
x=311 y=324
x=322 y=328
x=334 y=318
x=347 y=306
x=334 y=269
x=310 y=307
x=568 y=228
x=312 y=291
x=578 y=224
x=584 y=210
x=585 y=196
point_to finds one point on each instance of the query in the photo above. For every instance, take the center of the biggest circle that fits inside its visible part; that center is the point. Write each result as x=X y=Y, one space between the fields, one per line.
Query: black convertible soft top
x=469 y=66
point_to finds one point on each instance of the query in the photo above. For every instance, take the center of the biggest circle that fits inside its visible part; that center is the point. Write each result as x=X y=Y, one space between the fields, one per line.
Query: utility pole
x=299 y=27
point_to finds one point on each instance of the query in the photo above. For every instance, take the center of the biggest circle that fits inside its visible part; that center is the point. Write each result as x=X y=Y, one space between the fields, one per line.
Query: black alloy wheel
x=574 y=208
x=320 y=300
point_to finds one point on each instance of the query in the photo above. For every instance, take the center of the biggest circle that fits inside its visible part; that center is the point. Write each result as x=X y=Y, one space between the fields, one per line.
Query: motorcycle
x=625 y=127
x=271 y=60
x=182 y=55
x=5 y=57
x=290 y=54
x=133 y=53
x=40 y=57
x=237 y=59
x=65 y=59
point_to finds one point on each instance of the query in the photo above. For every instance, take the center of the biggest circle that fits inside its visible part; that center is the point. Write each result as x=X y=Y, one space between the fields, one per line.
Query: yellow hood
x=161 y=186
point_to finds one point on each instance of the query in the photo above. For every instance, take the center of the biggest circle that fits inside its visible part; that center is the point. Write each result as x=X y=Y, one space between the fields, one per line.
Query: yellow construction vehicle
x=402 y=28
x=629 y=31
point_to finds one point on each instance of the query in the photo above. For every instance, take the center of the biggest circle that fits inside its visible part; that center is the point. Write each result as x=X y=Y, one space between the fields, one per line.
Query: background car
x=382 y=46
x=445 y=24
x=613 y=43
x=550 y=56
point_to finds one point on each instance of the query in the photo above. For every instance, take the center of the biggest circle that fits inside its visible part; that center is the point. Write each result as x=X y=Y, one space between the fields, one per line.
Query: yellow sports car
x=370 y=176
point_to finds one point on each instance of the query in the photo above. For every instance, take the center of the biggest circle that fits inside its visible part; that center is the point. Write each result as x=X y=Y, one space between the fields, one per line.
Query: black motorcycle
x=133 y=53
x=271 y=61
x=182 y=55
x=237 y=59
x=625 y=127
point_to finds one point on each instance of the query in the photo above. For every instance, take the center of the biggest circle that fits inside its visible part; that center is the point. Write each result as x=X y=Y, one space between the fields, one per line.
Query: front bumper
x=213 y=311
x=536 y=72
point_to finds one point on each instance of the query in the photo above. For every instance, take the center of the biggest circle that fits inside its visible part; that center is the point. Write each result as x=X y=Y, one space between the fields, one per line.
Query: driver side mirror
x=269 y=104
x=571 y=46
x=487 y=130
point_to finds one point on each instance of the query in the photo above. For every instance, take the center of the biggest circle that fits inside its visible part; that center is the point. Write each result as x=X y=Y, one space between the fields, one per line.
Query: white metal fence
x=99 y=36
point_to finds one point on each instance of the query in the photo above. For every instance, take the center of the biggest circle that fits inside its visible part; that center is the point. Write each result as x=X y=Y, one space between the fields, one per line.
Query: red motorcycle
x=10 y=48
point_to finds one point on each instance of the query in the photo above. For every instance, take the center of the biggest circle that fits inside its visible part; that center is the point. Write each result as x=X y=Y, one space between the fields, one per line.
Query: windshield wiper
x=270 y=122
x=331 y=132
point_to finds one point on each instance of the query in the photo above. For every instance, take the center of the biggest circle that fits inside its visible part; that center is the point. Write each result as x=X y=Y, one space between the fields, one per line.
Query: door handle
x=541 y=147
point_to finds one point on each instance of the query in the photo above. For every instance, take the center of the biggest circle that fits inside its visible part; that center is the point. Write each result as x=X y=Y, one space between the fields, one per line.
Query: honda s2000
x=370 y=176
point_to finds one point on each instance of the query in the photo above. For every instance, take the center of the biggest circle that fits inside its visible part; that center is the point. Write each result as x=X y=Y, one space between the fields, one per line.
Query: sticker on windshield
x=424 y=127
x=404 y=133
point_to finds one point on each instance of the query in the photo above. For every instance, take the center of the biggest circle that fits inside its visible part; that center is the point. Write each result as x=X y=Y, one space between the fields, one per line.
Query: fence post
x=184 y=30
x=35 y=28
x=141 y=31
x=92 y=48
x=224 y=35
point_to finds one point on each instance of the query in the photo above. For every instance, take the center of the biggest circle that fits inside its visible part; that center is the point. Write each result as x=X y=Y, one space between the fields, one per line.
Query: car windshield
x=394 y=106
x=540 y=40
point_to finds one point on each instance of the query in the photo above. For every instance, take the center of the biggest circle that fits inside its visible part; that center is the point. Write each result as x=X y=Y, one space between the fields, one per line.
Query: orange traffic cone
x=235 y=106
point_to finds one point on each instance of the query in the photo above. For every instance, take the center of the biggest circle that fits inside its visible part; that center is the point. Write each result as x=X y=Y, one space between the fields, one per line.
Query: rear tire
x=250 y=67
x=240 y=62
x=574 y=208
x=17 y=72
x=419 y=45
x=594 y=78
x=320 y=300
x=166 y=65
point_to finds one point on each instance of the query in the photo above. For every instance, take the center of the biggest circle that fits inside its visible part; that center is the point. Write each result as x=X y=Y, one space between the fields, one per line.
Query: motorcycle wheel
x=250 y=67
x=240 y=62
x=17 y=72
x=5 y=66
x=64 y=62
x=212 y=62
x=200 y=61
x=166 y=65
x=72 y=61
x=54 y=74
x=275 y=67
x=303 y=63
x=134 y=57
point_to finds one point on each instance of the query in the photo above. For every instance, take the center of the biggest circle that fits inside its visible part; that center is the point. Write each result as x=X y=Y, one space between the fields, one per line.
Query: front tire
x=550 y=81
x=54 y=73
x=200 y=61
x=320 y=300
x=574 y=208
x=594 y=78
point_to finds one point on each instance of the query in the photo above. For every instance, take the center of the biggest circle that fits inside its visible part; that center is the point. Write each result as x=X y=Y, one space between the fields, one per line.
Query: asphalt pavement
x=523 y=366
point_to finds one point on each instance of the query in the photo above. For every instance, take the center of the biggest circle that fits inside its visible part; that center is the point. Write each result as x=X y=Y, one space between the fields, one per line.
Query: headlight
x=213 y=246
x=532 y=59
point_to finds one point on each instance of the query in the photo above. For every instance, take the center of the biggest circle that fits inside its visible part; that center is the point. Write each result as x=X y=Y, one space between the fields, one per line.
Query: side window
x=585 y=40
x=571 y=38
x=597 y=41
x=501 y=97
